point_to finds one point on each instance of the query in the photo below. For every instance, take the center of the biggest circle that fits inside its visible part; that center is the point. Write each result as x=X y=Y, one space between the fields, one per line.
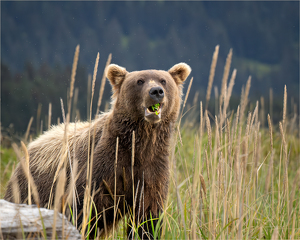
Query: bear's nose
x=157 y=93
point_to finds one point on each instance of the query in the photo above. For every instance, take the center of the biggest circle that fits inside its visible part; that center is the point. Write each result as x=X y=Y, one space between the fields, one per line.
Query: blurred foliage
x=38 y=41
x=7 y=165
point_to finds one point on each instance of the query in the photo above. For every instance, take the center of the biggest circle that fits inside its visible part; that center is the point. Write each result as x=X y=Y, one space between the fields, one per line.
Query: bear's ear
x=180 y=72
x=115 y=74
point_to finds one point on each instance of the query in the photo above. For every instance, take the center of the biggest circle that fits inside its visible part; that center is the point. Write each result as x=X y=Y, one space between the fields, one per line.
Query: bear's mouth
x=153 y=113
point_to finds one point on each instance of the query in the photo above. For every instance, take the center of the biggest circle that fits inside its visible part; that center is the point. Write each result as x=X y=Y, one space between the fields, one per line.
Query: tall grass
x=231 y=178
x=239 y=161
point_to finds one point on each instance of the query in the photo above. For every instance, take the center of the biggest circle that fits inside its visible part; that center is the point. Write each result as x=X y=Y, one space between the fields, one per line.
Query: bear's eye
x=140 y=82
x=163 y=81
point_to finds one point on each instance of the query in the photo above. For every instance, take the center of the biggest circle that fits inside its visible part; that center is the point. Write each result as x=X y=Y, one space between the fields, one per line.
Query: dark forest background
x=38 y=41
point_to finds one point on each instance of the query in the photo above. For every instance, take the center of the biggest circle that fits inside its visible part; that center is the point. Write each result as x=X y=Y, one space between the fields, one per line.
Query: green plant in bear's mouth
x=155 y=108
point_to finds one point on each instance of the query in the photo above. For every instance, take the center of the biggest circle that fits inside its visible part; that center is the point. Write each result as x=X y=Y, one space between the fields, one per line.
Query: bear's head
x=153 y=95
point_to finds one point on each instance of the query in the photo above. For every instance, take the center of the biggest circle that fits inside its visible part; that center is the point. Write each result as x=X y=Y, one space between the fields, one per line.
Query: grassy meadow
x=235 y=174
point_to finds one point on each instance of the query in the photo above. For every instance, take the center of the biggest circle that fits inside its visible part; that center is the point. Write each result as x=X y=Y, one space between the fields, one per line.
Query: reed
x=49 y=115
x=132 y=177
x=244 y=100
x=73 y=74
x=28 y=129
x=227 y=96
x=75 y=110
x=87 y=197
x=211 y=74
x=271 y=102
x=103 y=83
x=38 y=116
x=115 y=189
x=284 y=108
x=26 y=171
x=225 y=77
x=89 y=91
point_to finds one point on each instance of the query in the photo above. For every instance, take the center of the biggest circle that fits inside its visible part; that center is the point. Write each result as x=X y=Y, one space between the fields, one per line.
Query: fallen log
x=30 y=222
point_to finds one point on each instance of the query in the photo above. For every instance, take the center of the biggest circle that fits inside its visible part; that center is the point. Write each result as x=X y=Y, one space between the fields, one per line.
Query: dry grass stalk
x=231 y=84
x=262 y=111
x=115 y=191
x=195 y=191
x=270 y=131
x=213 y=193
x=275 y=234
x=237 y=118
x=26 y=172
x=60 y=187
x=185 y=99
x=88 y=176
x=93 y=85
x=87 y=198
x=41 y=131
x=72 y=193
x=208 y=126
x=239 y=177
x=269 y=177
x=63 y=157
x=200 y=137
x=294 y=187
x=132 y=176
x=229 y=140
x=28 y=129
x=89 y=90
x=257 y=166
x=293 y=227
x=254 y=165
x=284 y=108
x=74 y=112
x=211 y=75
x=285 y=150
x=218 y=154
x=179 y=202
x=201 y=121
x=279 y=183
x=142 y=194
x=38 y=116
x=104 y=222
x=260 y=232
x=74 y=68
x=255 y=114
x=207 y=164
x=246 y=141
x=195 y=101
x=271 y=101
x=225 y=77
x=227 y=96
x=203 y=186
x=15 y=189
x=178 y=126
x=216 y=92
x=244 y=101
x=73 y=74
x=49 y=115
x=64 y=142
x=103 y=83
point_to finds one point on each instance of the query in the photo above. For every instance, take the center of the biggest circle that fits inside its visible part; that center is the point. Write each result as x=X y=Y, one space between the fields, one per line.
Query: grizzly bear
x=144 y=102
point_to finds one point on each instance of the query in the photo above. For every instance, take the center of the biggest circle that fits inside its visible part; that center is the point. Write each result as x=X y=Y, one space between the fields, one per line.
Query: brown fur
x=152 y=140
